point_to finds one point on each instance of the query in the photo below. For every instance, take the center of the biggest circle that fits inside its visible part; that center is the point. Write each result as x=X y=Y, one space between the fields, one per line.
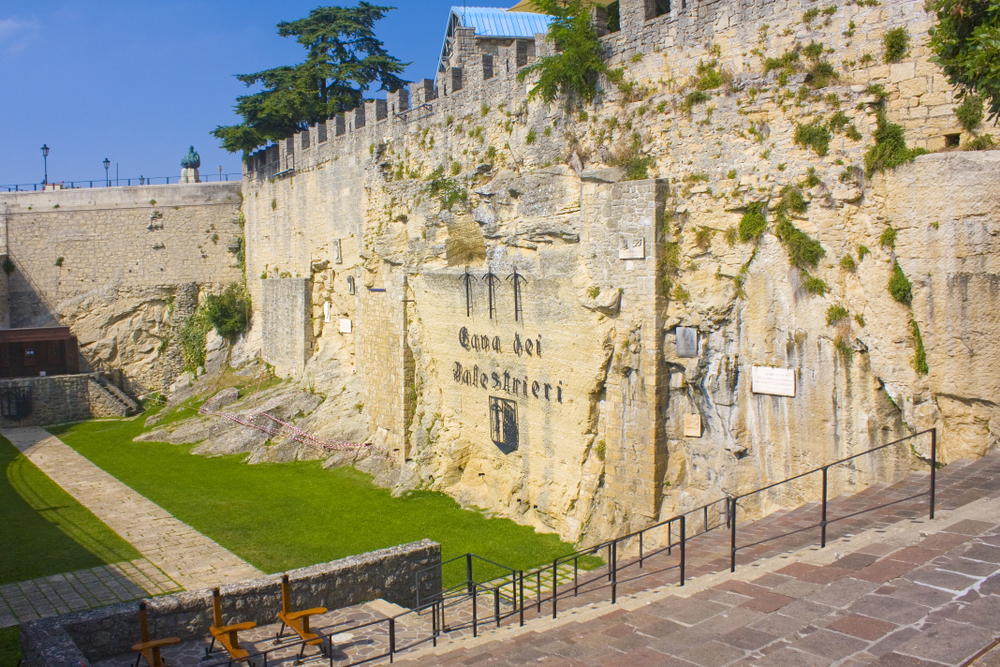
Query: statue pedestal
x=190 y=175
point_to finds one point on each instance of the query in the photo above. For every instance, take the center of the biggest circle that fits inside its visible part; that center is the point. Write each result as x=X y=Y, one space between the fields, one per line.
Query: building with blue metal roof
x=494 y=27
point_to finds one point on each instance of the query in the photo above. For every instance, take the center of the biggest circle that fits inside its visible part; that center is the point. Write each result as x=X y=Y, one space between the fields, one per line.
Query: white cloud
x=16 y=34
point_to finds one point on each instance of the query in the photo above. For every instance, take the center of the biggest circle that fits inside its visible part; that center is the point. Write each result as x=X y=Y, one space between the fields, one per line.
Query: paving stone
x=984 y=612
x=747 y=638
x=842 y=592
x=968 y=567
x=788 y=657
x=920 y=594
x=884 y=570
x=855 y=561
x=896 y=660
x=825 y=575
x=767 y=602
x=695 y=611
x=713 y=654
x=947 y=642
x=888 y=609
x=940 y=579
x=780 y=625
x=806 y=610
x=829 y=644
x=863 y=627
x=647 y=657
x=970 y=527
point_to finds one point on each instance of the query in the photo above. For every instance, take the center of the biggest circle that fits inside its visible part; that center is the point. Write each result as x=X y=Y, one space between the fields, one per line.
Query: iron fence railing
x=507 y=589
x=118 y=182
x=714 y=515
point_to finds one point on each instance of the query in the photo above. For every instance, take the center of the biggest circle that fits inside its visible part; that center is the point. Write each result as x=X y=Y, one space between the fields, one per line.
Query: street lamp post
x=107 y=175
x=45 y=157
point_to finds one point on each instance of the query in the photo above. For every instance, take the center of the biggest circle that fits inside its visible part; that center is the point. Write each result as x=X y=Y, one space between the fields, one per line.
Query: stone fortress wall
x=616 y=272
x=113 y=264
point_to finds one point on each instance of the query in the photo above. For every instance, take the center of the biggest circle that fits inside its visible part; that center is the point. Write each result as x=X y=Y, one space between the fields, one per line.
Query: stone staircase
x=110 y=399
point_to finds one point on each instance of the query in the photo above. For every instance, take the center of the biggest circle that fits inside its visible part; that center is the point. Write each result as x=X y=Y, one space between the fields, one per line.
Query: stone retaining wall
x=58 y=399
x=72 y=640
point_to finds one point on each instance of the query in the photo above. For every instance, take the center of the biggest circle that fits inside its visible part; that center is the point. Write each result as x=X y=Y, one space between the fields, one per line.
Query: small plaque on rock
x=345 y=326
x=687 y=342
x=632 y=248
x=692 y=426
x=773 y=381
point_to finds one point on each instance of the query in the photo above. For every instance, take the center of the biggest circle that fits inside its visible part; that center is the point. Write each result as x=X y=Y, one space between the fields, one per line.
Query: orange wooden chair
x=227 y=635
x=150 y=649
x=297 y=621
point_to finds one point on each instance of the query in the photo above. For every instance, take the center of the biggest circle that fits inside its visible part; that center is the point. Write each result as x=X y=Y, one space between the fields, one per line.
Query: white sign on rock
x=632 y=248
x=773 y=381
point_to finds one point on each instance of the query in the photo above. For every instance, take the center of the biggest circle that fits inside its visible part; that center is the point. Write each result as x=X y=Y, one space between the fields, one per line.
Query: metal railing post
x=522 y=599
x=732 y=530
x=555 y=585
x=392 y=637
x=434 y=623
x=496 y=605
x=640 y=549
x=614 y=572
x=468 y=573
x=576 y=576
x=933 y=467
x=683 y=544
x=538 y=590
x=475 y=626
x=822 y=523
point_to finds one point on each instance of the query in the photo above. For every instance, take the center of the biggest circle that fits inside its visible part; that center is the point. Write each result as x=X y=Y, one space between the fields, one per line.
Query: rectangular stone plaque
x=632 y=248
x=687 y=342
x=335 y=251
x=345 y=326
x=692 y=426
x=773 y=381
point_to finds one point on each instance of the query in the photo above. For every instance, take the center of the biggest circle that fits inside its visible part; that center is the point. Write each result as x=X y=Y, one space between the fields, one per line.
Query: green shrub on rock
x=970 y=112
x=229 y=312
x=897 y=44
x=753 y=223
x=899 y=286
x=815 y=136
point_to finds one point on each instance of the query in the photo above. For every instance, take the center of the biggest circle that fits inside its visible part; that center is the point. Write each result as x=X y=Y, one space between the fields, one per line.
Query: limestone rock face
x=620 y=242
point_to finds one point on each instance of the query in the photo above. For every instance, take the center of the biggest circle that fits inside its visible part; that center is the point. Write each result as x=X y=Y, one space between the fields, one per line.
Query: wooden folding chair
x=150 y=649
x=227 y=634
x=297 y=621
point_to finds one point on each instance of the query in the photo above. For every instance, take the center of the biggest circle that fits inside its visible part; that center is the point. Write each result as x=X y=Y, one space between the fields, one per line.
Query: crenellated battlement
x=483 y=76
x=692 y=30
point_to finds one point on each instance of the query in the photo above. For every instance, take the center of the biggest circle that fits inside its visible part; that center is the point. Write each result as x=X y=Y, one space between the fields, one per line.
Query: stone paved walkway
x=83 y=589
x=180 y=553
x=890 y=589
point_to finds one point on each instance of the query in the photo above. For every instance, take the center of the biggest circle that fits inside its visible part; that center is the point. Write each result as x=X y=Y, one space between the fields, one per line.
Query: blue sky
x=138 y=82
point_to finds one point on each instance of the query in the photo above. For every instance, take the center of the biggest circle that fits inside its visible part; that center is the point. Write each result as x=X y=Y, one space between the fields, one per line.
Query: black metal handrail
x=615 y=566
x=824 y=519
x=517 y=599
x=119 y=182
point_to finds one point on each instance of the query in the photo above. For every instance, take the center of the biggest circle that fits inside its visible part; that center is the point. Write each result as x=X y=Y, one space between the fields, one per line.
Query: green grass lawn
x=279 y=516
x=45 y=532
x=10 y=646
x=52 y=533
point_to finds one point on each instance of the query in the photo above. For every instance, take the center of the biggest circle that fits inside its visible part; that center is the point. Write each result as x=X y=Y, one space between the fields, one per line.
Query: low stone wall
x=57 y=399
x=72 y=640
